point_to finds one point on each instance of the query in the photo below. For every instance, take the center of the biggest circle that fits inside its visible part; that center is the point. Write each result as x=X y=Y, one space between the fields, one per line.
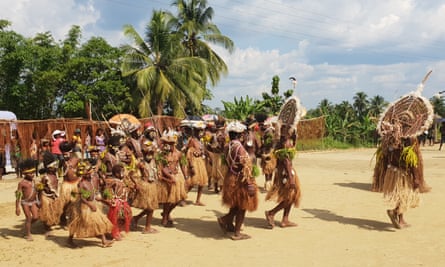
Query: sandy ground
x=341 y=223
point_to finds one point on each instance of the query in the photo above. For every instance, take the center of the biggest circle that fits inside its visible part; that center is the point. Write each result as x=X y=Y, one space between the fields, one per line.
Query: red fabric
x=55 y=149
x=120 y=216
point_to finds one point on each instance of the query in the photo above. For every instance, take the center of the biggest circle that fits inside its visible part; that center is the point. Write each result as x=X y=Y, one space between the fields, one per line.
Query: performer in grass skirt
x=85 y=220
x=171 y=189
x=69 y=186
x=286 y=189
x=146 y=196
x=398 y=172
x=116 y=194
x=219 y=166
x=50 y=205
x=240 y=192
x=268 y=158
x=197 y=161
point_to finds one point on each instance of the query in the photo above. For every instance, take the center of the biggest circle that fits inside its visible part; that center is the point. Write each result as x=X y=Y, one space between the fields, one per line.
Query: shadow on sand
x=327 y=215
x=355 y=185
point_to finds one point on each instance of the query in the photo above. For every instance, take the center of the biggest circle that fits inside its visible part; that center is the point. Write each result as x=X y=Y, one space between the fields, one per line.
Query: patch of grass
x=325 y=144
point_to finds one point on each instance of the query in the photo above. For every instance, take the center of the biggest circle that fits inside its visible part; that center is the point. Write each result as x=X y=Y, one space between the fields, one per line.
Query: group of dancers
x=147 y=170
x=144 y=169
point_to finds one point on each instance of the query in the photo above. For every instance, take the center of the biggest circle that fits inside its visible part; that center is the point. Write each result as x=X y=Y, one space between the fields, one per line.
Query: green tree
x=324 y=108
x=438 y=105
x=241 y=109
x=360 y=105
x=41 y=77
x=12 y=62
x=197 y=31
x=274 y=101
x=161 y=71
x=93 y=76
x=377 y=104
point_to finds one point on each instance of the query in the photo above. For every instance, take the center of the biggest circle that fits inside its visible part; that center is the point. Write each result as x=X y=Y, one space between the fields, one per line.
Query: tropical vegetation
x=167 y=70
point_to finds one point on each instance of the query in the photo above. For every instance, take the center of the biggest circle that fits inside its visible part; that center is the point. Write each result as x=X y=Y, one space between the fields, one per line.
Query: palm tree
x=376 y=106
x=438 y=105
x=325 y=107
x=360 y=104
x=163 y=74
x=194 y=24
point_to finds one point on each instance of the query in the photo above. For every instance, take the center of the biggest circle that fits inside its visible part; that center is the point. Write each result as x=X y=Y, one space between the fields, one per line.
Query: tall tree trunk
x=159 y=108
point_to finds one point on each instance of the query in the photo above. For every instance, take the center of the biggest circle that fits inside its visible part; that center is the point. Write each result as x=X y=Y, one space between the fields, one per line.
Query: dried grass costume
x=171 y=193
x=50 y=205
x=216 y=152
x=196 y=159
x=282 y=190
x=84 y=222
x=146 y=196
x=398 y=172
x=238 y=178
x=268 y=158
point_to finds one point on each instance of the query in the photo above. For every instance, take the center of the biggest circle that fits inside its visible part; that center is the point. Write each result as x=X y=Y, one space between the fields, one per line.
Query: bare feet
x=48 y=234
x=107 y=244
x=237 y=237
x=269 y=219
x=394 y=218
x=199 y=203
x=288 y=224
x=29 y=238
x=150 y=231
x=405 y=225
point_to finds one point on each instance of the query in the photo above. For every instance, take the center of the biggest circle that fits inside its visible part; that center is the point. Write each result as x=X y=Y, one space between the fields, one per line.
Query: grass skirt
x=268 y=164
x=235 y=193
x=86 y=223
x=146 y=196
x=66 y=190
x=50 y=210
x=398 y=189
x=172 y=193
x=218 y=170
x=284 y=193
x=199 y=166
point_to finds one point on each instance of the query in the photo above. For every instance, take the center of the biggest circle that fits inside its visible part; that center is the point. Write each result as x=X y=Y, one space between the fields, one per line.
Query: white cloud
x=283 y=37
x=29 y=17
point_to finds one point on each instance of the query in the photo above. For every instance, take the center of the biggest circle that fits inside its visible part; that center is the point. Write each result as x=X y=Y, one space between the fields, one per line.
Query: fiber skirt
x=235 y=193
x=398 y=189
x=281 y=192
x=87 y=223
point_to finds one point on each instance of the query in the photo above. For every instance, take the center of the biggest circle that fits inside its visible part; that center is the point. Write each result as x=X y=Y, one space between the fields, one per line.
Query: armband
x=107 y=194
x=18 y=194
x=85 y=193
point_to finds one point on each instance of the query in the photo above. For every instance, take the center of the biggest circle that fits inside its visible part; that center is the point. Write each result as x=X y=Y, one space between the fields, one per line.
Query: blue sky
x=334 y=48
